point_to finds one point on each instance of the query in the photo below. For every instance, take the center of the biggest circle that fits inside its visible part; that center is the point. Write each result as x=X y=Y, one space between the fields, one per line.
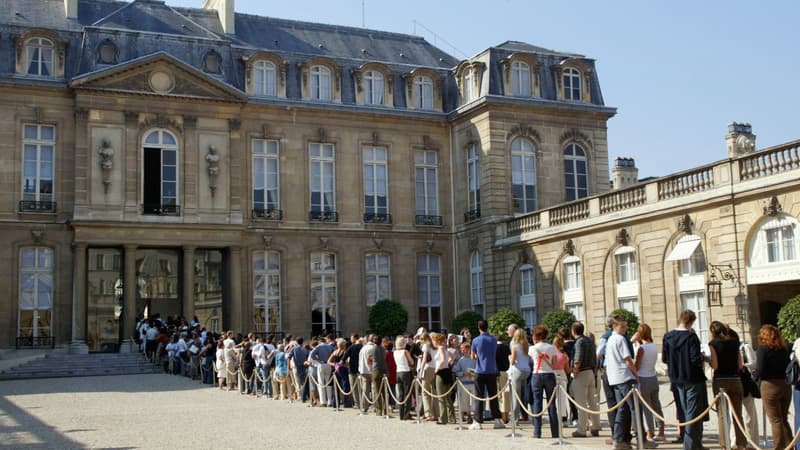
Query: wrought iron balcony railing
x=385 y=218
x=323 y=216
x=161 y=210
x=268 y=214
x=472 y=215
x=36 y=206
x=424 y=219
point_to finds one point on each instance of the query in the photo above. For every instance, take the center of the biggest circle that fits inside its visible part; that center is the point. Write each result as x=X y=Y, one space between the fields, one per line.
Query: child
x=281 y=374
x=464 y=370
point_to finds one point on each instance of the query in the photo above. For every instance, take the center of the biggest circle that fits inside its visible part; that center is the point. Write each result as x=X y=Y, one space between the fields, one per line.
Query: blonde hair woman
x=519 y=367
x=404 y=362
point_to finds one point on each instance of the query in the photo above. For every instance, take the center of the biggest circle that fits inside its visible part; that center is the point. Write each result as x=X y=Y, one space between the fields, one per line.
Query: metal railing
x=384 y=218
x=161 y=210
x=428 y=220
x=268 y=214
x=323 y=216
x=36 y=206
x=36 y=342
x=472 y=215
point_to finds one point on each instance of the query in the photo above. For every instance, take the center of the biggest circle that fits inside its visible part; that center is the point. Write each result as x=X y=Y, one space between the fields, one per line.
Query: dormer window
x=469 y=74
x=264 y=79
x=107 y=52
x=520 y=79
x=40 y=57
x=572 y=84
x=469 y=86
x=423 y=92
x=212 y=62
x=372 y=84
x=320 y=83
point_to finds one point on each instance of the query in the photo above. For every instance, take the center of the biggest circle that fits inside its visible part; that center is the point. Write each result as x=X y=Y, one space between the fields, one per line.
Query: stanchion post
x=513 y=415
x=335 y=384
x=419 y=401
x=637 y=420
x=459 y=413
x=385 y=397
x=724 y=415
x=561 y=440
x=763 y=438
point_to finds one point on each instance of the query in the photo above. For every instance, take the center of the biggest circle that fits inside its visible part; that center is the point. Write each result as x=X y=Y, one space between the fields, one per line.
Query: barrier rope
x=340 y=388
x=453 y=386
x=408 y=396
x=679 y=424
x=530 y=413
x=749 y=438
x=316 y=383
x=602 y=411
x=364 y=395
x=483 y=399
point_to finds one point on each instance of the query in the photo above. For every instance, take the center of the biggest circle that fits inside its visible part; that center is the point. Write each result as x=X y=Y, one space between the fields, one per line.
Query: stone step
x=73 y=365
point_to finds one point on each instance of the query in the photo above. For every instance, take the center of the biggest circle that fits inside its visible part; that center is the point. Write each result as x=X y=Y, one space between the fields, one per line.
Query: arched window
x=267 y=291
x=35 y=292
x=423 y=92
x=429 y=291
x=379 y=285
x=320 y=83
x=572 y=84
x=264 y=79
x=627 y=280
x=469 y=85
x=160 y=174
x=773 y=251
x=575 y=178
x=372 y=84
x=521 y=79
x=40 y=57
x=523 y=175
x=476 y=281
x=527 y=293
x=324 y=310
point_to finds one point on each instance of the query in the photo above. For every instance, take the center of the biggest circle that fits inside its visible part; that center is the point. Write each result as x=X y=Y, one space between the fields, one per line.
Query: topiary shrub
x=499 y=322
x=631 y=318
x=556 y=320
x=388 y=318
x=788 y=318
x=467 y=319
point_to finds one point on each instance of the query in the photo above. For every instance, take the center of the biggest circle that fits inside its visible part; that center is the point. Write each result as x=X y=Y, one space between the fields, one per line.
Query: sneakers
x=577 y=434
x=595 y=433
x=622 y=446
x=498 y=424
x=649 y=444
x=660 y=438
x=475 y=426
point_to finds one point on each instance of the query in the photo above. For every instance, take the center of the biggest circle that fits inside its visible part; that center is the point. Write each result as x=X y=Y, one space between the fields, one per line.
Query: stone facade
x=133 y=138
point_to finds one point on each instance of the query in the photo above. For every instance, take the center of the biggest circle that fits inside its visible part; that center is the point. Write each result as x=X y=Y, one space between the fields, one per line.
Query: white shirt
x=401 y=361
x=617 y=351
x=542 y=354
x=647 y=369
x=367 y=350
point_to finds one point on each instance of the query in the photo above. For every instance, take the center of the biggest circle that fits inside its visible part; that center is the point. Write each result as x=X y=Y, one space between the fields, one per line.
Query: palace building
x=282 y=176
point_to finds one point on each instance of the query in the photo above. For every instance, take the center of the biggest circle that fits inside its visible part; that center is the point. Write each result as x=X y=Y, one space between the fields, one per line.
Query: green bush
x=467 y=319
x=631 y=318
x=788 y=318
x=388 y=318
x=500 y=321
x=556 y=320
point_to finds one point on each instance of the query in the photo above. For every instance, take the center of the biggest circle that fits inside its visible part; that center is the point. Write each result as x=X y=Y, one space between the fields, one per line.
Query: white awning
x=778 y=222
x=684 y=248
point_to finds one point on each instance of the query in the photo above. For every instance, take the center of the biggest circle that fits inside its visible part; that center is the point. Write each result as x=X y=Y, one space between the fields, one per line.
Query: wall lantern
x=717 y=273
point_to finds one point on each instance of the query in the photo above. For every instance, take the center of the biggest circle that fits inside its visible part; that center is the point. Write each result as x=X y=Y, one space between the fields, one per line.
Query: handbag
x=749 y=385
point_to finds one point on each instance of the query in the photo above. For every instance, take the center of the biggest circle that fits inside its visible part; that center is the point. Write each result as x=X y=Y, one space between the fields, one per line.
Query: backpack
x=793 y=372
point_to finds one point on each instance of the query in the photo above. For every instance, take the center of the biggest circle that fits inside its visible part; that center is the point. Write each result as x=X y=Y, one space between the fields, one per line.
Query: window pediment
x=523 y=61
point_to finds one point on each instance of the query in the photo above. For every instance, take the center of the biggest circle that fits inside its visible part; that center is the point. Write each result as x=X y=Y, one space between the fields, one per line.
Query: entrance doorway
x=104 y=303
x=158 y=283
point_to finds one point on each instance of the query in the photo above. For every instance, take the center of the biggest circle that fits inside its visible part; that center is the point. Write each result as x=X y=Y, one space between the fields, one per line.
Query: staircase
x=58 y=365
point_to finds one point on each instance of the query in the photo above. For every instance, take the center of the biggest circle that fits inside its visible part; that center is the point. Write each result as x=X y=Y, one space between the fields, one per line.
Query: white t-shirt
x=617 y=350
x=543 y=355
x=401 y=361
x=647 y=369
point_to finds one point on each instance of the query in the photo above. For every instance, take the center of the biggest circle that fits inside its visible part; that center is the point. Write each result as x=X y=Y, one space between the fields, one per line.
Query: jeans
x=266 y=386
x=518 y=378
x=543 y=385
x=402 y=389
x=622 y=423
x=796 y=400
x=648 y=386
x=344 y=382
x=486 y=385
x=355 y=385
x=611 y=400
x=691 y=400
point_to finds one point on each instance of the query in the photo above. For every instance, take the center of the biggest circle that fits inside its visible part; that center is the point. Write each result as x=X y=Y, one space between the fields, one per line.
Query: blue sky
x=678 y=72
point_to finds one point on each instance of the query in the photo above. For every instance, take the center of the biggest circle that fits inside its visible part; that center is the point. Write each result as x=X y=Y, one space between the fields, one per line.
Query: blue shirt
x=485 y=347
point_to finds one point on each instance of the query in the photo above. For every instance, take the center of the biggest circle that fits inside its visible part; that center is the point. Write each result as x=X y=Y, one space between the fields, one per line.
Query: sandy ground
x=163 y=411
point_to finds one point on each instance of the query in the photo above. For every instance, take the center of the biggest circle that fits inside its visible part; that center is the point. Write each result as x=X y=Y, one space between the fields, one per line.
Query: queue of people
x=518 y=374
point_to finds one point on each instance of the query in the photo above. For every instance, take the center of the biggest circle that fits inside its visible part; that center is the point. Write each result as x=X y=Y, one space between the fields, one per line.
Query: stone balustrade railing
x=706 y=180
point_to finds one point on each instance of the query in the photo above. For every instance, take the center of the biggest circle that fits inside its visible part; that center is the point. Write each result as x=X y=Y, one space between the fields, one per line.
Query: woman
x=646 y=358
x=427 y=377
x=336 y=360
x=466 y=335
x=561 y=369
x=772 y=356
x=726 y=362
x=519 y=368
x=543 y=380
x=207 y=355
x=444 y=378
x=404 y=363
x=221 y=363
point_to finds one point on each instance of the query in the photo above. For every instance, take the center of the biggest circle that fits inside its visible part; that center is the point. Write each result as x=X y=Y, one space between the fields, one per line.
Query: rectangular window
x=520 y=79
x=572 y=275
x=423 y=92
x=694 y=264
x=267 y=291
x=527 y=294
x=468 y=86
x=426 y=182
x=378 y=278
x=323 y=178
x=780 y=244
x=626 y=267
x=35 y=292
x=38 y=144
x=429 y=291
x=473 y=181
x=630 y=304
x=696 y=301
x=376 y=185
x=576 y=309
x=266 y=178
x=324 y=311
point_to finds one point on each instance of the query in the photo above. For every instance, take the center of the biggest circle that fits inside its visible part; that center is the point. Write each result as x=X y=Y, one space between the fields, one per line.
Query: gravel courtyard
x=162 y=411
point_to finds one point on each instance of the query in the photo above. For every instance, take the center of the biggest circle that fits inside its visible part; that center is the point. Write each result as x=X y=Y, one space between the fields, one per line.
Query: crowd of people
x=518 y=374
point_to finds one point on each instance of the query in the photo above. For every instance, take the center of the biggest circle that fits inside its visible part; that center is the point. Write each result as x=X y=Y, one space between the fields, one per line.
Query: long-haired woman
x=772 y=357
x=646 y=358
x=520 y=368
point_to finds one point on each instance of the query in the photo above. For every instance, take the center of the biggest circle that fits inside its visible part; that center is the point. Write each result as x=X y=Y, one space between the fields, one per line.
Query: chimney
x=625 y=173
x=71 y=9
x=225 y=10
x=740 y=139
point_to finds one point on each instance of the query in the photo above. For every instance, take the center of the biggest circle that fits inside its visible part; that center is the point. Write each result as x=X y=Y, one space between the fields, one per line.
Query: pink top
x=561 y=362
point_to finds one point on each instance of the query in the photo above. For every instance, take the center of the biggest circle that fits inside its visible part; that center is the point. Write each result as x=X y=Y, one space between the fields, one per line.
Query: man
x=351 y=358
x=584 y=382
x=319 y=357
x=259 y=352
x=601 y=365
x=681 y=353
x=484 y=352
x=365 y=357
x=379 y=370
x=622 y=378
x=299 y=356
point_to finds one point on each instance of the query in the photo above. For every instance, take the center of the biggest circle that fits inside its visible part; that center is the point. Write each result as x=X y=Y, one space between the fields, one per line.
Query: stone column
x=236 y=321
x=237 y=152
x=78 y=341
x=129 y=301
x=131 y=164
x=188 y=283
x=191 y=182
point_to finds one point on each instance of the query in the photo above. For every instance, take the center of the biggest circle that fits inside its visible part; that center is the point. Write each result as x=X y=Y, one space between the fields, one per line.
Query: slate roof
x=153 y=17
